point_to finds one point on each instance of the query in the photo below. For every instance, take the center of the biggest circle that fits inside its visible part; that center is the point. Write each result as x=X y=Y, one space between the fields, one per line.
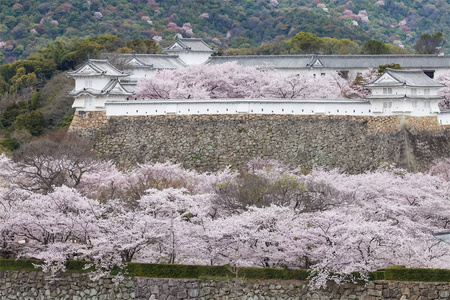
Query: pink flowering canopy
x=266 y=215
x=230 y=80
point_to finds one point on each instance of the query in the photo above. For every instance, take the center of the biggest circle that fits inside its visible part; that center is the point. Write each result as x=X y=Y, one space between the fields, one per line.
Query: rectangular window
x=426 y=91
x=343 y=74
x=88 y=83
x=387 y=91
x=413 y=91
x=387 y=105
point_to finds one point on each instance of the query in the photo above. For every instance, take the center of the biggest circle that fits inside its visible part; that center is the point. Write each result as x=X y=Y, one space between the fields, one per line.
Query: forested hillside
x=29 y=25
x=33 y=96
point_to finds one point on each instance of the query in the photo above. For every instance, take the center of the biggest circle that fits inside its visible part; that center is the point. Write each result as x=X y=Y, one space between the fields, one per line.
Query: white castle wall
x=405 y=90
x=97 y=82
x=238 y=106
x=444 y=118
x=252 y=106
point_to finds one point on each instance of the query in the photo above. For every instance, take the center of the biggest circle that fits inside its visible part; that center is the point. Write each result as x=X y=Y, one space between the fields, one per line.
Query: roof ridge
x=91 y=65
x=264 y=55
x=109 y=85
x=403 y=70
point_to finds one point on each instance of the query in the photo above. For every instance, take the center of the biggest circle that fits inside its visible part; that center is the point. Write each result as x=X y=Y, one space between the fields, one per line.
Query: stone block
x=444 y=294
x=193 y=293
x=372 y=292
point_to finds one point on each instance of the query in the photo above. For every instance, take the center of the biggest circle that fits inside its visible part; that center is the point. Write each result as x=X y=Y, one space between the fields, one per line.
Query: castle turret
x=191 y=51
x=96 y=82
x=404 y=92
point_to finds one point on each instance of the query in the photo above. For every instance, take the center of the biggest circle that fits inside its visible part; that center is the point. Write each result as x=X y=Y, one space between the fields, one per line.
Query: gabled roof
x=274 y=61
x=153 y=61
x=393 y=77
x=315 y=62
x=114 y=87
x=97 y=67
x=130 y=86
x=192 y=45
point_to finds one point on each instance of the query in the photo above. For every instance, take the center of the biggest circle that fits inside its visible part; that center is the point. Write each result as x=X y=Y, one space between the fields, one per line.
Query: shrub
x=34 y=122
x=10 y=144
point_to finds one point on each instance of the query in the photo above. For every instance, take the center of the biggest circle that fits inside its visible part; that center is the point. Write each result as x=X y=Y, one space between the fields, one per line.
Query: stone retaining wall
x=212 y=142
x=23 y=285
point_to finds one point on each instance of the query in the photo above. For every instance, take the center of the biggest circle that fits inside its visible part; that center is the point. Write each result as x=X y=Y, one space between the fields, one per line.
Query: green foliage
x=427 y=275
x=10 y=144
x=12 y=111
x=428 y=44
x=67 y=121
x=33 y=121
x=382 y=68
x=376 y=275
x=256 y=20
x=34 y=102
x=335 y=46
x=375 y=47
x=191 y=271
x=141 y=47
x=305 y=42
x=241 y=42
x=174 y=271
x=22 y=264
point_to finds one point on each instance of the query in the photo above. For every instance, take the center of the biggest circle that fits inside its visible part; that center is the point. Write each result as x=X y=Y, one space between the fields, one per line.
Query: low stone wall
x=212 y=142
x=23 y=285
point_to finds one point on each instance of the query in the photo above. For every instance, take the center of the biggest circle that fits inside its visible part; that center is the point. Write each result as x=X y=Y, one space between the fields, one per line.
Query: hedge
x=190 y=271
x=397 y=273
x=425 y=275
x=173 y=271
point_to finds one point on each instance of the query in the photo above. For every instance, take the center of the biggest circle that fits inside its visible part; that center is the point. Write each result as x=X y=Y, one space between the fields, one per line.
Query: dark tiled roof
x=337 y=62
x=408 y=78
x=98 y=67
x=155 y=61
x=373 y=61
x=150 y=61
x=274 y=61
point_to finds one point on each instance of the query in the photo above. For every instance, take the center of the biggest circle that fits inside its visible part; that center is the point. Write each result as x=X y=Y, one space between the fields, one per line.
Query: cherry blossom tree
x=445 y=91
x=267 y=215
x=42 y=164
x=230 y=80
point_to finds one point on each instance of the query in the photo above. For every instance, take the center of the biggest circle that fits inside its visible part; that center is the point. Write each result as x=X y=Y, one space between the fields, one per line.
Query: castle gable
x=97 y=67
x=116 y=88
x=88 y=70
x=190 y=45
x=315 y=62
